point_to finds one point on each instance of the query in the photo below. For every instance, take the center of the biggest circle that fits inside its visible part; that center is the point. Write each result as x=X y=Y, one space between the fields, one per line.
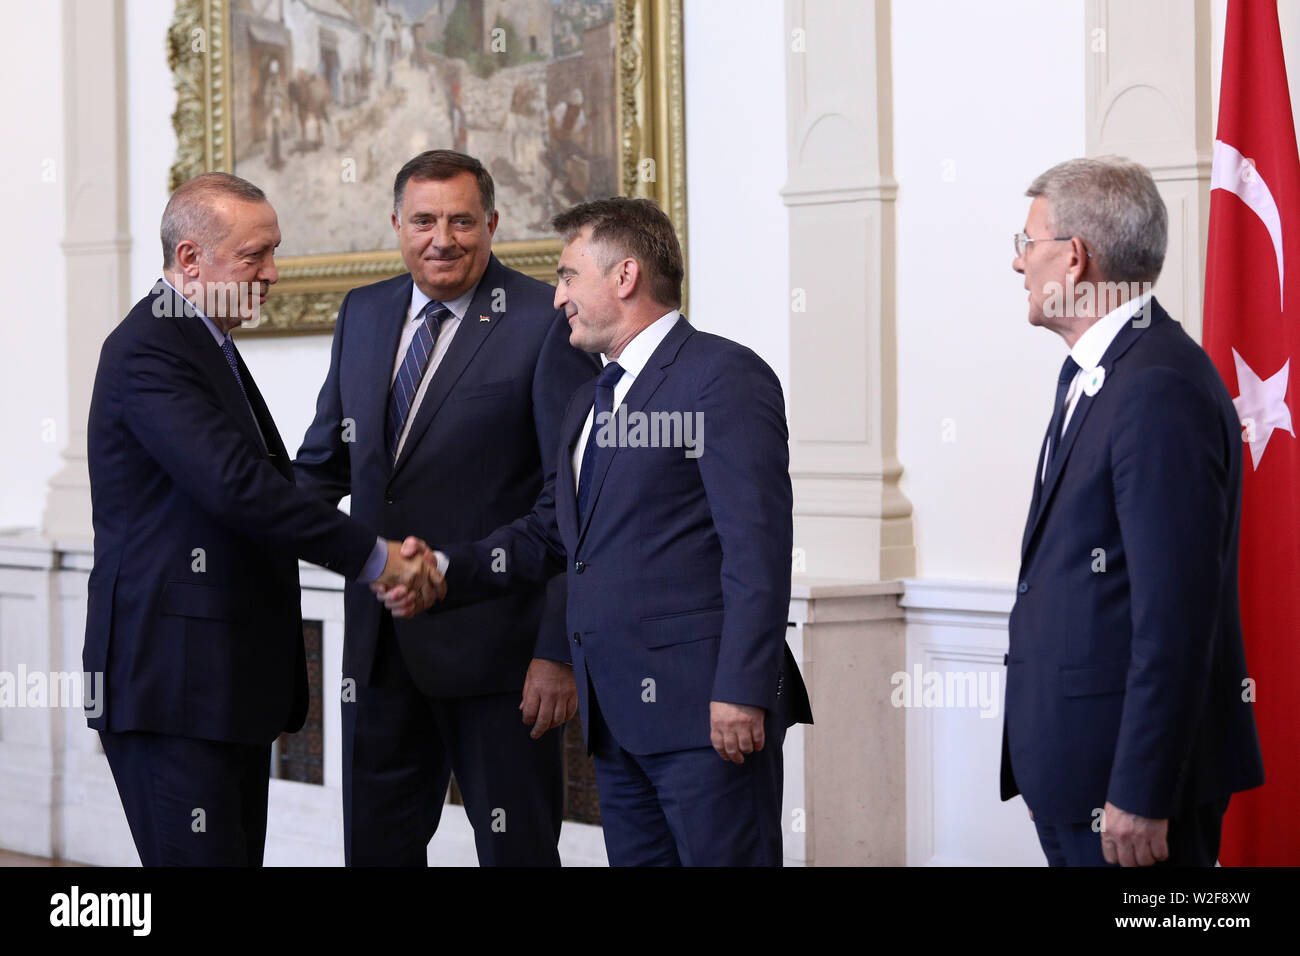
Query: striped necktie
x=414 y=365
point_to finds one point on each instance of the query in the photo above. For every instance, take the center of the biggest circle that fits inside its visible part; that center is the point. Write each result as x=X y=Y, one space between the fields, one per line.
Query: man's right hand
x=410 y=581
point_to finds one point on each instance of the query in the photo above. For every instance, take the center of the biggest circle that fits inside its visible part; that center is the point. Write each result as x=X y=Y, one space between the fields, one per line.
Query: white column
x=1148 y=98
x=97 y=243
x=851 y=520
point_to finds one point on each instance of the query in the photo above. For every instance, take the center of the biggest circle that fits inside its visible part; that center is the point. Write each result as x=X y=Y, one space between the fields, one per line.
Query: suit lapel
x=274 y=446
x=643 y=387
x=207 y=353
x=1121 y=344
x=566 y=486
x=372 y=416
x=478 y=323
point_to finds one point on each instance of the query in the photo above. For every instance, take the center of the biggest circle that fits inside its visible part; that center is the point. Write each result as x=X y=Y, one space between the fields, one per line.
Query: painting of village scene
x=330 y=97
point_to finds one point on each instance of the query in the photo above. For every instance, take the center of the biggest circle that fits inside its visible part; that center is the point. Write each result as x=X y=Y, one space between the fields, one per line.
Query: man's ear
x=187 y=258
x=629 y=276
x=397 y=223
x=492 y=222
x=1079 y=257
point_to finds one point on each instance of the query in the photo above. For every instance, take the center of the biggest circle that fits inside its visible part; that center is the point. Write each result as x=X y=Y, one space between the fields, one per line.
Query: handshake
x=410 y=581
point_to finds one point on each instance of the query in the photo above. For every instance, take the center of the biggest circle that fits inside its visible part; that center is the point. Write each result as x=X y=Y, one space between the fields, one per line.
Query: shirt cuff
x=444 y=562
x=374 y=565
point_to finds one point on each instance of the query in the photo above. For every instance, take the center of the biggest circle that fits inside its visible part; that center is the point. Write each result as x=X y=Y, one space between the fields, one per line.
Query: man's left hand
x=1131 y=840
x=735 y=729
x=550 y=695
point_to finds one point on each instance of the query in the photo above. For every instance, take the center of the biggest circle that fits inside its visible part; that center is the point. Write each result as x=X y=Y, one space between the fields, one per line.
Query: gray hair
x=190 y=214
x=1112 y=204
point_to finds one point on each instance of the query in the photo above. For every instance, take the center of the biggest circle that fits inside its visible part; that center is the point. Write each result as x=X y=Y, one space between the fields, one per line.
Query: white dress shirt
x=446 y=332
x=632 y=359
x=1087 y=352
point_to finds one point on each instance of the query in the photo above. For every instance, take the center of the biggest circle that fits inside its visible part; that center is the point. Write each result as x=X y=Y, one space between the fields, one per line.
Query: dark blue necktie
x=604 y=403
x=228 y=350
x=1068 y=370
x=414 y=365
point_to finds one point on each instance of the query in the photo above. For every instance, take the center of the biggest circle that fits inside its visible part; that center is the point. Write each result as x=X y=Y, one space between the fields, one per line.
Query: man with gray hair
x=193 y=614
x=1128 y=722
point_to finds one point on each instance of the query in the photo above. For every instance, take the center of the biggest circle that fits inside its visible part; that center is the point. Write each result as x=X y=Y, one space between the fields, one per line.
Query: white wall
x=735 y=162
x=33 y=364
x=986 y=97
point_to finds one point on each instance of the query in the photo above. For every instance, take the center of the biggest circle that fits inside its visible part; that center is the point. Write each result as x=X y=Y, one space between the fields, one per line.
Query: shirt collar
x=637 y=352
x=1093 y=343
x=212 y=326
x=456 y=306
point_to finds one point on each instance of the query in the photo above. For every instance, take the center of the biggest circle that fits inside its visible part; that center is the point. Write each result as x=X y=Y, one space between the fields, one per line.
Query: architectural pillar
x=97 y=244
x=1148 y=98
x=851 y=520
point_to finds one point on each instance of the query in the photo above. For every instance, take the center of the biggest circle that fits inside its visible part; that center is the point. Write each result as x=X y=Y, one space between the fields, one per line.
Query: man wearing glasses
x=1125 y=729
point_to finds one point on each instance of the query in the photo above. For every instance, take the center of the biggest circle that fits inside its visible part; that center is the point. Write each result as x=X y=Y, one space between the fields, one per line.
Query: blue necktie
x=228 y=350
x=1068 y=370
x=604 y=403
x=414 y=365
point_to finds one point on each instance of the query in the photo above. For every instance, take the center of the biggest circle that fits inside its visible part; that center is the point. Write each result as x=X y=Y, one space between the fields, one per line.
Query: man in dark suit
x=193 y=612
x=1128 y=724
x=677 y=543
x=441 y=414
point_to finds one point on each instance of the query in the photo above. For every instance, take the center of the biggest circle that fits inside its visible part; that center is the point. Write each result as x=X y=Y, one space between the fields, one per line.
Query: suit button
x=1023 y=587
x=577 y=638
x=388 y=501
x=579 y=567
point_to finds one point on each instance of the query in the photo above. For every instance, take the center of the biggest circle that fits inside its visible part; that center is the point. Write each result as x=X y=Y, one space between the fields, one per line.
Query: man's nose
x=441 y=235
x=1017 y=265
x=271 y=275
x=560 y=297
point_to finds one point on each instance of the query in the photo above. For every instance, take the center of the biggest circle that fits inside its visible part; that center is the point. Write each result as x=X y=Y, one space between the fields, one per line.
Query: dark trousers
x=1193 y=839
x=400 y=749
x=191 y=802
x=690 y=807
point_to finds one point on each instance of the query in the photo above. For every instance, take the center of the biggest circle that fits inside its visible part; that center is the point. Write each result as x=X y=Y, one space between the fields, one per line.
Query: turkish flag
x=1252 y=332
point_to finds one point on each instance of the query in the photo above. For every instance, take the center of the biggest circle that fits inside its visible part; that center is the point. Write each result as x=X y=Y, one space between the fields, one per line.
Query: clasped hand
x=410 y=581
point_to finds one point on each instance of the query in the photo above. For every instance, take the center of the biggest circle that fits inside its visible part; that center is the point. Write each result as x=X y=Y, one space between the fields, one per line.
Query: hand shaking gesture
x=410 y=581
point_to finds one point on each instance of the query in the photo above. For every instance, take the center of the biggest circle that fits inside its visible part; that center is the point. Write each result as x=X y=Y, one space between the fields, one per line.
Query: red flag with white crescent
x=1252 y=332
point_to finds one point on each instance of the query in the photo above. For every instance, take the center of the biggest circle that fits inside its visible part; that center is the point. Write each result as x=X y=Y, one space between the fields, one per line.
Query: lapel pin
x=484 y=318
x=1092 y=384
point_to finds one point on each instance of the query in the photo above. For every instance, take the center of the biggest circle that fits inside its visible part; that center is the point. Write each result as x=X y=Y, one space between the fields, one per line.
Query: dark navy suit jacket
x=1126 y=684
x=679 y=579
x=193 y=608
x=482 y=440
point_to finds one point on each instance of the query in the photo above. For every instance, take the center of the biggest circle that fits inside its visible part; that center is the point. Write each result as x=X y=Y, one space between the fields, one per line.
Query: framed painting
x=320 y=102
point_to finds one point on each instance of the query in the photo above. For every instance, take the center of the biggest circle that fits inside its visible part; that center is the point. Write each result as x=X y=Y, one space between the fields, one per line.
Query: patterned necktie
x=228 y=350
x=1068 y=370
x=414 y=365
x=604 y=403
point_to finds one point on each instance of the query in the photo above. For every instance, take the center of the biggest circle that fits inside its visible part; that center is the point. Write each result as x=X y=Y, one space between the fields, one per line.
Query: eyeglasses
x=1022 y=242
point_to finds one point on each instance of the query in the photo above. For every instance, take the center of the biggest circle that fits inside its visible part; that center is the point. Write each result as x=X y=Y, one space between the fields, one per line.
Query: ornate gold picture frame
x=246 y=104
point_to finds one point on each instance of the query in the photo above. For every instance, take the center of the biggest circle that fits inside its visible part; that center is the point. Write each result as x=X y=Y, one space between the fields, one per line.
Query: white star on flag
x=1261 y=406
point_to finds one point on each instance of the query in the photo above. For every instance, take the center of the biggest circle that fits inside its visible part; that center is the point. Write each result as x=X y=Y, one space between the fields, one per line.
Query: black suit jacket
x=193 y=608
x=680 y=574
x=475 y=458
x=1126 y=664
